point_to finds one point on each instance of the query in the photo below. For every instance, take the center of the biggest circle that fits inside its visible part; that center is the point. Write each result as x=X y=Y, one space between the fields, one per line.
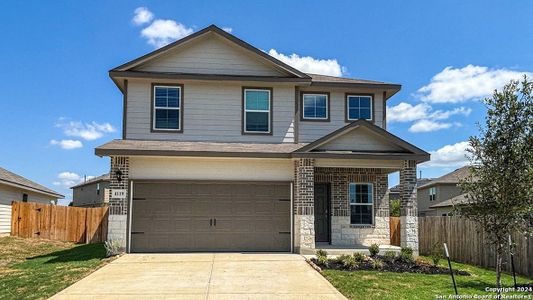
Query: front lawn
x=37 y=269
x=363 y=284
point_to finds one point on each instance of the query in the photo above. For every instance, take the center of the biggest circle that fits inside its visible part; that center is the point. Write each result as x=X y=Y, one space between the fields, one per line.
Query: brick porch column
x=118 y=208
x=304 y=202
x=408 y=206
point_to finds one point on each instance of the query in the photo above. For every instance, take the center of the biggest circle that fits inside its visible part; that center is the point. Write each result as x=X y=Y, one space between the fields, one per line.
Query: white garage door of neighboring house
x=210 y=216
x=5 y=218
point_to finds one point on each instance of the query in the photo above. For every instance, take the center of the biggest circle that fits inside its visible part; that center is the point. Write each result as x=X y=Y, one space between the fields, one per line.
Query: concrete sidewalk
x=204 y=276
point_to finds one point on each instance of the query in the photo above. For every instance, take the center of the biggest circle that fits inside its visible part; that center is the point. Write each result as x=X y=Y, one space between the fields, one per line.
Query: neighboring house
x=17 y=188
x=394 y=192
x=439 y=190
x=446 y=207
x=90 y=193
x=225 y=148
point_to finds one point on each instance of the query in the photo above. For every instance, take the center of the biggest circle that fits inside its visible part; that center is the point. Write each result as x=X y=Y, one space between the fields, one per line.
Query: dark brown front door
x=322 y=204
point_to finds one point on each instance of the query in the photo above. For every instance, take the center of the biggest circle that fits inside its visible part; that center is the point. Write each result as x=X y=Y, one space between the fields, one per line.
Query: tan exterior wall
x=211 y=55
x=189 y=168
x=310 y=131
x=88 y=195
x=9 y=194
x=212 y=112
x=360 y=139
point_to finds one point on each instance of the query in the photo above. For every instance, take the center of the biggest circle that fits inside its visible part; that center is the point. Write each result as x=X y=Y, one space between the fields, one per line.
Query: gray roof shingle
x=104 y=177
x=12 y=178
x=450 y=178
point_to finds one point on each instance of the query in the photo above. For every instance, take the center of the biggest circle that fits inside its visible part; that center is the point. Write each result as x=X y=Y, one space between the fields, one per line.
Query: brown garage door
x=210 y=216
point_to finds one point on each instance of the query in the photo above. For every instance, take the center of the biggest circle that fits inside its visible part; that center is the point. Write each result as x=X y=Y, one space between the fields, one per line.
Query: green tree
x=499 y=188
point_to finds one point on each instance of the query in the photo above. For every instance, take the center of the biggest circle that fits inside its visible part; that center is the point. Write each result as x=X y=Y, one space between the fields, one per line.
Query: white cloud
x=87 y=131
x=449 y=156
x=67 y=179
x=142 y=16
x=227 y=29
x=163 y=32
x=405 y=112
x=67 y=144
x=426 y=119
x=426 y=125
x=309 y=64
x=453 y=85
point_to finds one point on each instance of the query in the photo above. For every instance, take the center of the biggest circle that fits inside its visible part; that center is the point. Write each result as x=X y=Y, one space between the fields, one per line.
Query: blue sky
x=58 y=102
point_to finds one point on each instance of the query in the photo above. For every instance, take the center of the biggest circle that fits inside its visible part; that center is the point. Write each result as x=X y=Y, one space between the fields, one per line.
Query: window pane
x=257 y=121
x=353 y=102
x=167 y=119
x=167 y=97
x=364 y=113
x=257 y=100
x=321 y=104
x=361 y=214
x=353 y=113
x=315 y=106
x=364 y=102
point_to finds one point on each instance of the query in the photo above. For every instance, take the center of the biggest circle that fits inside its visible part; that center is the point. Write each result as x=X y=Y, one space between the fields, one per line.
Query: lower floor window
x=361 y=204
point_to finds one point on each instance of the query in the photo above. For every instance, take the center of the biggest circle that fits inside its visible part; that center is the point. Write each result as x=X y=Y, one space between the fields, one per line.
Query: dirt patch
x=15 y=249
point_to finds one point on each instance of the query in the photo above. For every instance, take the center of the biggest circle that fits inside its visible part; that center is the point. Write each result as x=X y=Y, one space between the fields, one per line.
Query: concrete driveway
x=204 y=276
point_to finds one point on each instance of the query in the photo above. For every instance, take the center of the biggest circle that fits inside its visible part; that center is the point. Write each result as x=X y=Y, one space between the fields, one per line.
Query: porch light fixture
x=118 y=174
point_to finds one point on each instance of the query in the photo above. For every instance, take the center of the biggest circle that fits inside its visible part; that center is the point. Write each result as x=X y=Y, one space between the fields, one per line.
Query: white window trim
x=303 y=106
x=257 y=110
x=348 y=106
x=167 y=108
x=359 y=204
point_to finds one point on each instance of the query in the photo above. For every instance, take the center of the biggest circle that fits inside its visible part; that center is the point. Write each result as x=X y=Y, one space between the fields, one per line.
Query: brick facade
x=342 y=232
x=408 y=206
x=304 y=197
x=118 y=208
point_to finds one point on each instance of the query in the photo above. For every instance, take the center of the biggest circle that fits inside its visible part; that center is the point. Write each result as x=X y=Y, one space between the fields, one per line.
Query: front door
x=322 y=203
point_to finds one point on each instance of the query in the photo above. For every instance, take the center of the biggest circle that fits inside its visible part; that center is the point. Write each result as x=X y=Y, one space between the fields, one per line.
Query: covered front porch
x=341 y=202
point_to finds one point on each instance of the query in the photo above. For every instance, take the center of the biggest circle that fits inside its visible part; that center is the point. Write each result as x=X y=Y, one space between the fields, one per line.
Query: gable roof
x=457 y=200
x=220 y=32
x=104 y=177
x=450 y=178
x=12 y=179
x=419 y=182
x=409 y=150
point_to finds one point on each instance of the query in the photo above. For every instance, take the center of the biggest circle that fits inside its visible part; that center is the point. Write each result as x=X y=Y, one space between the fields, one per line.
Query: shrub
x=349 y=262
x=341 y=258
x=377 y=264
x=359 y=257
x=436 y=253
x=373 y=249
x=406 y=254
x=389 y=256
x=322 y=257
x=113 y=247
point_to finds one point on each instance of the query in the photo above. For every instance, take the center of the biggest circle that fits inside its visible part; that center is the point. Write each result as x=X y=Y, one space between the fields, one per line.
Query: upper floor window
x=358 y=107
x=315 y=106
x=361 y=204
x=257 y=110
x=24 y=197
x=167 y=108
x=432 y=194
x=98 y=189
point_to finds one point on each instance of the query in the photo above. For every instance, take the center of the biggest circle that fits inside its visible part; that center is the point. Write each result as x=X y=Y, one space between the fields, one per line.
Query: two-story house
x=226 y=148
x=437 y=197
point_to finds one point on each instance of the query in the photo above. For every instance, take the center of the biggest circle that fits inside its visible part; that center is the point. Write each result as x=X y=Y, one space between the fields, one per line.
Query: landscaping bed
x=38 y=269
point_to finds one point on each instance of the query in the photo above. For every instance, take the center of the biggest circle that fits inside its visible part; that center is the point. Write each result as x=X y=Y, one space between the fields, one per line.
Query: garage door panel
x=176 y=217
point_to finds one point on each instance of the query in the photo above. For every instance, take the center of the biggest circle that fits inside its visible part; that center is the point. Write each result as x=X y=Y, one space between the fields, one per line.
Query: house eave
x=170 y=153
x=193 y=76
x=420 y=158
x=24 y=187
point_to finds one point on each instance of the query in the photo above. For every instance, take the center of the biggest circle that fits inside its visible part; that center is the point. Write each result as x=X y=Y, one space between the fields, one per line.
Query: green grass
x=388 y=285
x=37 y=269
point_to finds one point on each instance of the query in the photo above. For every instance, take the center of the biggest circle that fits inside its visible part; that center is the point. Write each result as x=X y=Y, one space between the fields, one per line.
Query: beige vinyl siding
x=211 y=55
x=5 y=218
x=444 y=192
x=360 y=139
x=190 y=168
x=212 y=112
x=9 y=194
x=310 y=131
x=87 y=195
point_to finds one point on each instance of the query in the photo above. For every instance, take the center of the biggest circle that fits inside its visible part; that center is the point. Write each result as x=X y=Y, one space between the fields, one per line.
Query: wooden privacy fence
x=468 y=245
x=395 y=237
x=63 y=223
